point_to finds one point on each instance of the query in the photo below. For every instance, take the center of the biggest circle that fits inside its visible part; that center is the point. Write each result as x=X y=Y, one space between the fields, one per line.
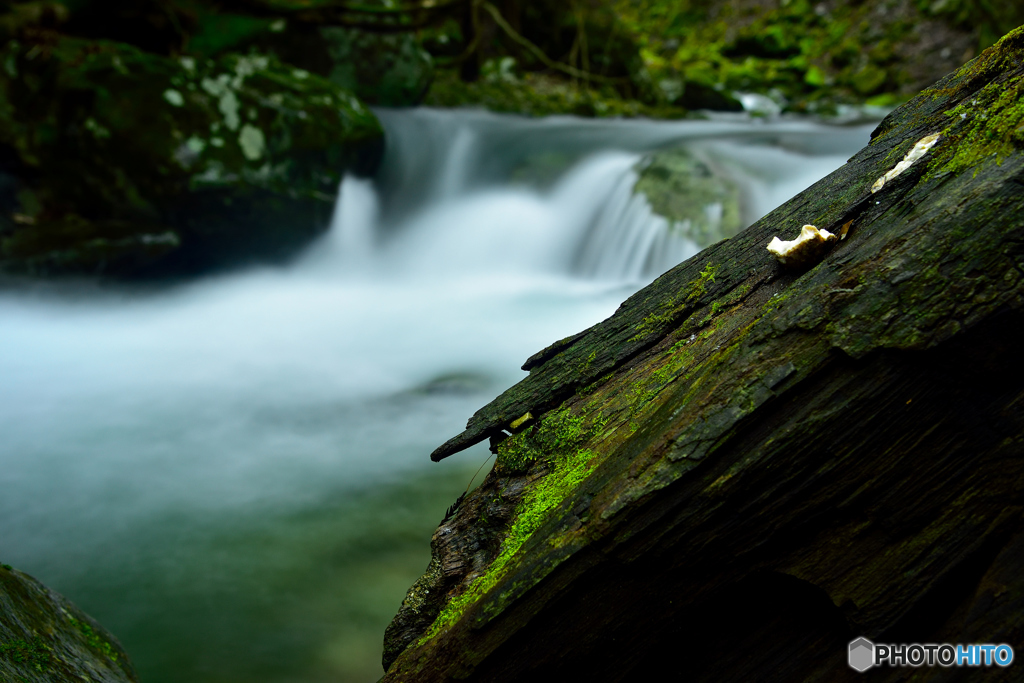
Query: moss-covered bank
x=660 y=58
x=117 y=160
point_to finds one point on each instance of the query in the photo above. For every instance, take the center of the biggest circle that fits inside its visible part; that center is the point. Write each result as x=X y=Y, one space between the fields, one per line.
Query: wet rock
x=697 y=197
x=46 y=639
x=696 y=96
x=130 y=163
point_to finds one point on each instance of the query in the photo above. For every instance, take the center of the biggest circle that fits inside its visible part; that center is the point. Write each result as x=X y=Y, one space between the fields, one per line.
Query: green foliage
x=34 y=653
x=807 y=56
x=219 y=32
x=992 y=17
x=388 y=69
x=538 y=95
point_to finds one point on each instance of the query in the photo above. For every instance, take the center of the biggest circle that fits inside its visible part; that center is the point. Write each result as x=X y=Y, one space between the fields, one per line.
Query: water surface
x=233 y=475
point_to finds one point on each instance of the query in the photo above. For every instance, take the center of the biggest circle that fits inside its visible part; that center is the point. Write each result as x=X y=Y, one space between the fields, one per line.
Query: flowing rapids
x=232 y=475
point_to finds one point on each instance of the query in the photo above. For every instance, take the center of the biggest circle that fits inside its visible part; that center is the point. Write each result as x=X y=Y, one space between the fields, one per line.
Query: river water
x=233 y=475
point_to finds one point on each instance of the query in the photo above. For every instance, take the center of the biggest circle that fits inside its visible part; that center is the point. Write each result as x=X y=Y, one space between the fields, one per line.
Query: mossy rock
x=389 y=69
x=534 y=94
x=700 y=201
x=127 y=153
x=811 y=55
x=46 y=639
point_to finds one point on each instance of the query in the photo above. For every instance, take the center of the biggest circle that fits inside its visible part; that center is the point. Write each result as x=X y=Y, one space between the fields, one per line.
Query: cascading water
x=233 y=476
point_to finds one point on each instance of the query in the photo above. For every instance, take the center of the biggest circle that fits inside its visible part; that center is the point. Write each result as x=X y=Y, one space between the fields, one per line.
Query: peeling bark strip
x=766 y=462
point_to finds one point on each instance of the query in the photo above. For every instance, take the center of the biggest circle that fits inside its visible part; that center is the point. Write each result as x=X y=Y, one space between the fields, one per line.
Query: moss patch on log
x=733 y=417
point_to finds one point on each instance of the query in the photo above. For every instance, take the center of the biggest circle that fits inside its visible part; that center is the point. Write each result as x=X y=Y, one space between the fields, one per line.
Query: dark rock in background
x=388 y=69
x=129 y=163
x=697 y=197
x=129 y=158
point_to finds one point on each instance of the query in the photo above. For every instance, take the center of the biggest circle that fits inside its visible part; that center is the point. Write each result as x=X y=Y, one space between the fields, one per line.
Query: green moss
x=515 y=454
x=672 y=307
x=671 y=366
x=559 y=441
x=539 y=95
x=990 y=124
x=592 y=387
x=585 y=365
x=706 y=276
x=804 y=60
x=701 y=203
x=215 y=151
x=35 y=653
x=94 y=639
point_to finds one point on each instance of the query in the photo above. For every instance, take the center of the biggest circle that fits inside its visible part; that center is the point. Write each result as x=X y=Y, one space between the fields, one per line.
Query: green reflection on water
x=302 y=596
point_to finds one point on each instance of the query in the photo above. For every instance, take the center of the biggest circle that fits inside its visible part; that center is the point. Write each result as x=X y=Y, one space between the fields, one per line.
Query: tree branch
x=539 y=54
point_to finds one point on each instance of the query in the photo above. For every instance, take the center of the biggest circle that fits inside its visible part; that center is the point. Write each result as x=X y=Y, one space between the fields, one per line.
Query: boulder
x=46 y=639
x=748 y=466
x=699 y=199
x=127 y=163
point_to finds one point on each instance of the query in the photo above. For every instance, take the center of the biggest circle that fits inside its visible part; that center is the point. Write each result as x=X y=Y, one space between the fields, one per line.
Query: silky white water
x=232 y=475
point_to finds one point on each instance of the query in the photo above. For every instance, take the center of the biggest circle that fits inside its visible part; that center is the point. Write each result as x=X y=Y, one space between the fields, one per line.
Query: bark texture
x=746 y=467
x=46 y=639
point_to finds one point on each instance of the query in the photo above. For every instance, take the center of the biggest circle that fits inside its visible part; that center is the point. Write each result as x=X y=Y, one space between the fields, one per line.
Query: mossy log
x=46 y=639
x=747 y=466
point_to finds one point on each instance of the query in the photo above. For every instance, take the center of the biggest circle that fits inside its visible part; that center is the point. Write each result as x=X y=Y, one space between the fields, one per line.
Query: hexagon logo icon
x=862 y=654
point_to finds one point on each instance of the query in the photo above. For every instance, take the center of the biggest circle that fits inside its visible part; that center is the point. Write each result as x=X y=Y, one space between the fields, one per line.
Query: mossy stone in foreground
x=46 y=639
x=131 y=163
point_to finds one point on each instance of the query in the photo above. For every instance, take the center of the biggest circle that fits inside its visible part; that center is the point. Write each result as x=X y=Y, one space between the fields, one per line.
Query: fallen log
x=751 y=464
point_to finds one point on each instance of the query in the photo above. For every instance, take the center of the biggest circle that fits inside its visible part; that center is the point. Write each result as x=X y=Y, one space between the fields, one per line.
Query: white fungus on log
x=919 y=150
x=808 y=248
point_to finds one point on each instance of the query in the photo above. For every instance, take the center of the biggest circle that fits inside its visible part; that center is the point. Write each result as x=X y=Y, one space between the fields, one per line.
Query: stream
x=232 y=475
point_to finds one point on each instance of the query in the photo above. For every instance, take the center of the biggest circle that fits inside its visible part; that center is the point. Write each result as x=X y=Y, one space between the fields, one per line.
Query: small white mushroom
x=919 y=150
x=809 y=247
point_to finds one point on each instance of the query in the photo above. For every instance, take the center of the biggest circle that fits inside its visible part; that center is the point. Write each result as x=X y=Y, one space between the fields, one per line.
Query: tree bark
x=746 y=466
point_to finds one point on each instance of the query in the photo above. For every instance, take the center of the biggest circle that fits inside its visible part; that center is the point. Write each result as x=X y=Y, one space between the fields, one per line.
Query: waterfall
x=206 y=468
x=468 y=192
